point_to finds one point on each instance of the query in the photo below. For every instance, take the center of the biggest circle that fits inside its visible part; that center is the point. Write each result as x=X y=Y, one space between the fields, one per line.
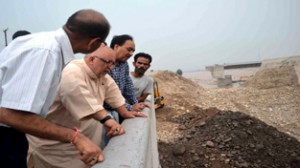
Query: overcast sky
x=179 y=34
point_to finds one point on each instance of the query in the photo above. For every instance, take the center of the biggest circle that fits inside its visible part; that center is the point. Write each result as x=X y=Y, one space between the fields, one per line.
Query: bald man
x=30 y=70
x=79 y=103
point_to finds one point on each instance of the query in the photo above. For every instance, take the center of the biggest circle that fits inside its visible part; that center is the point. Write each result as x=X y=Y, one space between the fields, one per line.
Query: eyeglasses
x=106 y=61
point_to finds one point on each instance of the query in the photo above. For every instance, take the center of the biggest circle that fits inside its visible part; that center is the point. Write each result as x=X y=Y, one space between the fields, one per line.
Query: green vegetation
x=179 y=72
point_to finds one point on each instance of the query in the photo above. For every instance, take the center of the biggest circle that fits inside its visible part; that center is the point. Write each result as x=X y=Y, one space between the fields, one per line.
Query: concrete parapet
x=137 y=148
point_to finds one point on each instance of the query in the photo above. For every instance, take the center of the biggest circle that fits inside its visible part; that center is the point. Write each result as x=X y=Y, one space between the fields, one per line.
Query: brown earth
x=250 y=126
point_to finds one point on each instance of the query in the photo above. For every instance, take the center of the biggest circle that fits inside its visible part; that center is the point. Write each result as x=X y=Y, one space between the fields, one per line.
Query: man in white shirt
x=30 y=70
x=143 y=84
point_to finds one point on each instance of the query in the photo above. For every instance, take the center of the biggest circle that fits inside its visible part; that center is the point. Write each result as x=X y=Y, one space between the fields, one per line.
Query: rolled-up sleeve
x=28 y=82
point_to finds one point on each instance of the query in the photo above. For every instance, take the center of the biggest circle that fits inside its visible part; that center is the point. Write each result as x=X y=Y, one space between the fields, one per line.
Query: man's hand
x=132 y=114
x=147 y=105
x=33 y=124
x=90 y=153
x=113 y=128
x=140 y=106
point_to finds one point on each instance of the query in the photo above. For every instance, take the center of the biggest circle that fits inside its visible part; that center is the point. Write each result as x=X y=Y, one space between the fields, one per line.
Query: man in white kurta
x=83 y=89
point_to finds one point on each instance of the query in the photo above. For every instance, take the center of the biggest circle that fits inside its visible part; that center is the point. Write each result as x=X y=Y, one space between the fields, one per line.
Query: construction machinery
x=159 y=101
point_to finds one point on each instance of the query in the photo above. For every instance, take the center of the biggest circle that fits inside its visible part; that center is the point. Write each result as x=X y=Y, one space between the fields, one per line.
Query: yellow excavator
x=159 y=101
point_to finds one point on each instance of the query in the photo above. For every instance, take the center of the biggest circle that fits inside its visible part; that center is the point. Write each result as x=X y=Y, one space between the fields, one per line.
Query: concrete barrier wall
x=137 y=148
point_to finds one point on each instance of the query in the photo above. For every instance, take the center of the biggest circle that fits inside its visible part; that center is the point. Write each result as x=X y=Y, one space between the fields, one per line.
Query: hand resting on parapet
x=140 y=106
x=129 y=114
x=90 y=153
x=132 y=114
x=113 y=128
x=147 y=105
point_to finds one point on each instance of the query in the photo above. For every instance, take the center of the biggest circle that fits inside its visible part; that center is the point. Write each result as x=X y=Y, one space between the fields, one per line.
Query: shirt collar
x=66 y=47
x=120 y=63
x=88 y=70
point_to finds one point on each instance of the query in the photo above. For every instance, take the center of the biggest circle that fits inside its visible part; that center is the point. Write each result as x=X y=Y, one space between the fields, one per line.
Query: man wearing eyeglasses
x=143 y=84
x=84 y=87
x=124 y=47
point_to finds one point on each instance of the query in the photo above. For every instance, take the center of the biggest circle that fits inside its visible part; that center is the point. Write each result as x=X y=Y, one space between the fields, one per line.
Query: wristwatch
x=108 y=117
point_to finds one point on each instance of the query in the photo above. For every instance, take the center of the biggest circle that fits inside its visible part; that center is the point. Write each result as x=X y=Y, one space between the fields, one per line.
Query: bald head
x=88 y=23
x=101 y=61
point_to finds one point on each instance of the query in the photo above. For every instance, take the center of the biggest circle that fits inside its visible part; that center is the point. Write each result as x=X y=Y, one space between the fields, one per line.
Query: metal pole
x=5 y=30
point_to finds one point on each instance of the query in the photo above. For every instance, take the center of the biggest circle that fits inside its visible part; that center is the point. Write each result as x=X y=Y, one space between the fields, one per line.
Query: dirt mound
x=276 y=73
x=228 y=139
x=267 y=78
x=172 y=80
x=197 y=127
x=176 y=89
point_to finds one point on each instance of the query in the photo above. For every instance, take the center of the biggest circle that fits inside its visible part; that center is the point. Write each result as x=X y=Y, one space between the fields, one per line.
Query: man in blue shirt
x=124 y=47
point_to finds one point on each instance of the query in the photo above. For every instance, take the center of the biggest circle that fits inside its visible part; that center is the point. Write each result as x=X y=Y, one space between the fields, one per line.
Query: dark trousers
x=13 y=148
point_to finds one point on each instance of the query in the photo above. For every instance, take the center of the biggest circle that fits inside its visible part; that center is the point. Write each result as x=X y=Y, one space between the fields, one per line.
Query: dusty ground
x=256 y=125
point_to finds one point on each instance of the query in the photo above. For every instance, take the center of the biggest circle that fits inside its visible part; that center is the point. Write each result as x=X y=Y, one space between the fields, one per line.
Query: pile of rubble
x=257 y=125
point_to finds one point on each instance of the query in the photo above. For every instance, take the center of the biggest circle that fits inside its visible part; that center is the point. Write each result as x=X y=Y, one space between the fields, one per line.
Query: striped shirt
x=120 y=73
x=30 y=70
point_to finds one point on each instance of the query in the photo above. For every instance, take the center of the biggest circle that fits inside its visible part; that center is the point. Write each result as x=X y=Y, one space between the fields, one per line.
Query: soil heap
x=281 y=72
x=228 y=127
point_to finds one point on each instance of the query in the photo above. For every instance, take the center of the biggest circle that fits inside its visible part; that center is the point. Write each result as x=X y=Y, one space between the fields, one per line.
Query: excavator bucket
x=159 y=101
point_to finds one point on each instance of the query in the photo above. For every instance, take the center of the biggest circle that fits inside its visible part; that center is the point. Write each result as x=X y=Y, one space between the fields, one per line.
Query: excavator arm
x=159 y=101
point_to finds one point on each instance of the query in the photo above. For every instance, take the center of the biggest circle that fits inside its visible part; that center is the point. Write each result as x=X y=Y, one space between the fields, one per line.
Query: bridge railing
x=137 y=148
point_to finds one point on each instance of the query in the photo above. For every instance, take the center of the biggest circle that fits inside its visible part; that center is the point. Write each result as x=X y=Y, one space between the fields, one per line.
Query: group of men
x=61 y=103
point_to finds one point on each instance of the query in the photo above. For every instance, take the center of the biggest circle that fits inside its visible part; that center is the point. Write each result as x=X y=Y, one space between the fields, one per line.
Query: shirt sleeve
x=128 y=90
x=75 y=94
x=128 y=107
x=113 y=95
x=149 y=87
x=28 y=78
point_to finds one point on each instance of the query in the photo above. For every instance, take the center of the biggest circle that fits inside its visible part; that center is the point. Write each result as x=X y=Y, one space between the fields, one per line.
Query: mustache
x=140 y=70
